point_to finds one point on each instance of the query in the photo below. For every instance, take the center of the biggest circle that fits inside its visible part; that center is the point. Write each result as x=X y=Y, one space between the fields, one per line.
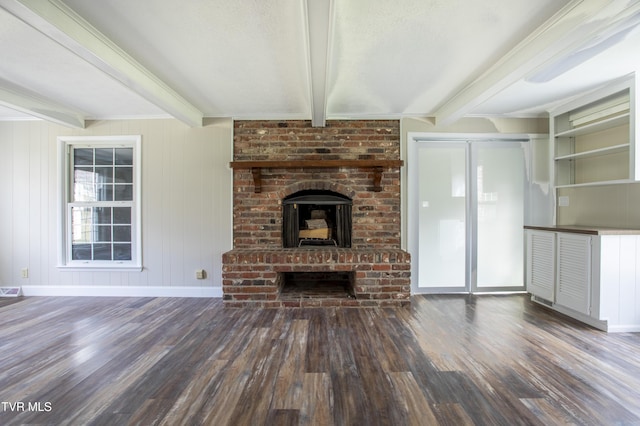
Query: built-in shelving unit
x=594 y=137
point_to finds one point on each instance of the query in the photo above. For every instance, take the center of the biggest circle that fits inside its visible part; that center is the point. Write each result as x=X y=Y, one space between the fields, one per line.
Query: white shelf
x=598 y=183
x=608 y=123
x=595 y=152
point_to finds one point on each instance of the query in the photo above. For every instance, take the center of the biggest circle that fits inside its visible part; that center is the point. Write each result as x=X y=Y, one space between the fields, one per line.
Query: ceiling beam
x=20 y=99
x=60 y=23
x=319 y=20
x=578 y=23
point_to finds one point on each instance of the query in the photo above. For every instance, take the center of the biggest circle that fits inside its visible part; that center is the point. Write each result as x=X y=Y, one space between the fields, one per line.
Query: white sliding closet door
x=468 y=204
x=499 y=200
x=442 y=177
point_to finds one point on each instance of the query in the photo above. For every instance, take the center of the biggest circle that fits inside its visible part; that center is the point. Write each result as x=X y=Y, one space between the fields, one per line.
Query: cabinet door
x=541 y=263
x=573 y=274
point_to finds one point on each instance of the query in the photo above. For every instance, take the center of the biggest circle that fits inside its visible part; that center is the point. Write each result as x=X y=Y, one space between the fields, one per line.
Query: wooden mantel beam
x=314 y=164
x=256 y=167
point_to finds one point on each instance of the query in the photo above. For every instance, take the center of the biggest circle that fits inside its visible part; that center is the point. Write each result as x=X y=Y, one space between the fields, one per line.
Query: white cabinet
x=541 y=255
x=594 y=137
x=559 y=268
x=573 y=271
x=589 y=276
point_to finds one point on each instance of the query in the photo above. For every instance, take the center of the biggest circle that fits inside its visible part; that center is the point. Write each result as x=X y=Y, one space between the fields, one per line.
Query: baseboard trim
x=633 y=328
x=119 y=291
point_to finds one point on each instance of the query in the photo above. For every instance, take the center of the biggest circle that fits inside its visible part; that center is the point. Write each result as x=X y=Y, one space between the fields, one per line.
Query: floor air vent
x=10 y=291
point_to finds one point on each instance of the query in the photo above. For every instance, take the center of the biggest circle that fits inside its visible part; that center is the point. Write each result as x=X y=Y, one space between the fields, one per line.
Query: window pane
x=83 y=187
x=102 y=233
x=83 y=175
x=81 y=252
x=122 y=215
x=81 y=220
x=104 y=192
x=122 y=251
x=123 y=192
x=124 y=156
x=102 y=214
x=104 y=174
x=104 y=156
x=122 y=233
x=82 y=156
x=102 y=252
x=124 y=175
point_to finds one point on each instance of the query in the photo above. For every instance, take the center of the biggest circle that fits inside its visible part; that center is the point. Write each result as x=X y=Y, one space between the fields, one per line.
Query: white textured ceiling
x=303 y=59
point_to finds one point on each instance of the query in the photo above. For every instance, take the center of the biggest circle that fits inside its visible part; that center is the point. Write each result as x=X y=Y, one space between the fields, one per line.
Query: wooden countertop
x=585 y=229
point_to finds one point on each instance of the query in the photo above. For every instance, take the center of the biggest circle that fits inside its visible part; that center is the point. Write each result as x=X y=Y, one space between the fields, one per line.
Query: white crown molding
x=574 y=26
x=60 y=23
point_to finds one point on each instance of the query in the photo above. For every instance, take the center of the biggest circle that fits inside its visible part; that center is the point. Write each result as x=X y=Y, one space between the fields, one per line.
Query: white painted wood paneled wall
x=186 y=208
x=619 y=301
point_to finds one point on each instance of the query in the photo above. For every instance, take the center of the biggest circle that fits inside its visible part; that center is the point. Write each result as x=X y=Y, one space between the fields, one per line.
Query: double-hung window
x=101 y=202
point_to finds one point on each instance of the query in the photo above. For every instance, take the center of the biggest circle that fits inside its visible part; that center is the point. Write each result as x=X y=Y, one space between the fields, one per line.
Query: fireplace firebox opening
x=316 y=218
x=317 y=285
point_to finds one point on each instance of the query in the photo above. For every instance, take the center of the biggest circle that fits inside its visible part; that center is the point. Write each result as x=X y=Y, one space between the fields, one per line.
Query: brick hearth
x=253 y=271
x=254 y=277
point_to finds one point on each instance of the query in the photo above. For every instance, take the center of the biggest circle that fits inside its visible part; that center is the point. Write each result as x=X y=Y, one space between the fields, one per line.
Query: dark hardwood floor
x=453 y=360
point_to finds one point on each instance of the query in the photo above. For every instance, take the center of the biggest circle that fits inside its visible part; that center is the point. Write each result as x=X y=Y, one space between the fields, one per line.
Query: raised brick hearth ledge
x=253 y=278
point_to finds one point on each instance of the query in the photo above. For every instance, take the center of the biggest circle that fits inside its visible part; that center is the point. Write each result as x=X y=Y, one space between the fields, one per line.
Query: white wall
x=186 y=208
x=616 y=206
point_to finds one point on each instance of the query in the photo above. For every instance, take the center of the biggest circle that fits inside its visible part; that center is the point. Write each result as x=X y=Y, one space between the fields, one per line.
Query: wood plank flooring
x=451 y=360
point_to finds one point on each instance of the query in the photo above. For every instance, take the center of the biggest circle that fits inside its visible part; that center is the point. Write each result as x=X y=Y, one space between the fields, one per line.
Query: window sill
x=100 y=268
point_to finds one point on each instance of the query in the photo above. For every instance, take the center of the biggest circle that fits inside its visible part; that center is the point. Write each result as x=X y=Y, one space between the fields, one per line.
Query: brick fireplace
x=351 y=166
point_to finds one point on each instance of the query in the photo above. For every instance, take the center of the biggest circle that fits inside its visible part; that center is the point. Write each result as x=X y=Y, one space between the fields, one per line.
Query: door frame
x=414 y=139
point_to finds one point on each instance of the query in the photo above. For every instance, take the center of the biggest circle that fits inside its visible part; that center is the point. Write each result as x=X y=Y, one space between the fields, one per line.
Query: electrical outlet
x=25 y=272
x=200 y=274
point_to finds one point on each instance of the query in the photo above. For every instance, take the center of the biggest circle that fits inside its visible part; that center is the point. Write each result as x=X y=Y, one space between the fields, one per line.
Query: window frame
x=65 y=199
